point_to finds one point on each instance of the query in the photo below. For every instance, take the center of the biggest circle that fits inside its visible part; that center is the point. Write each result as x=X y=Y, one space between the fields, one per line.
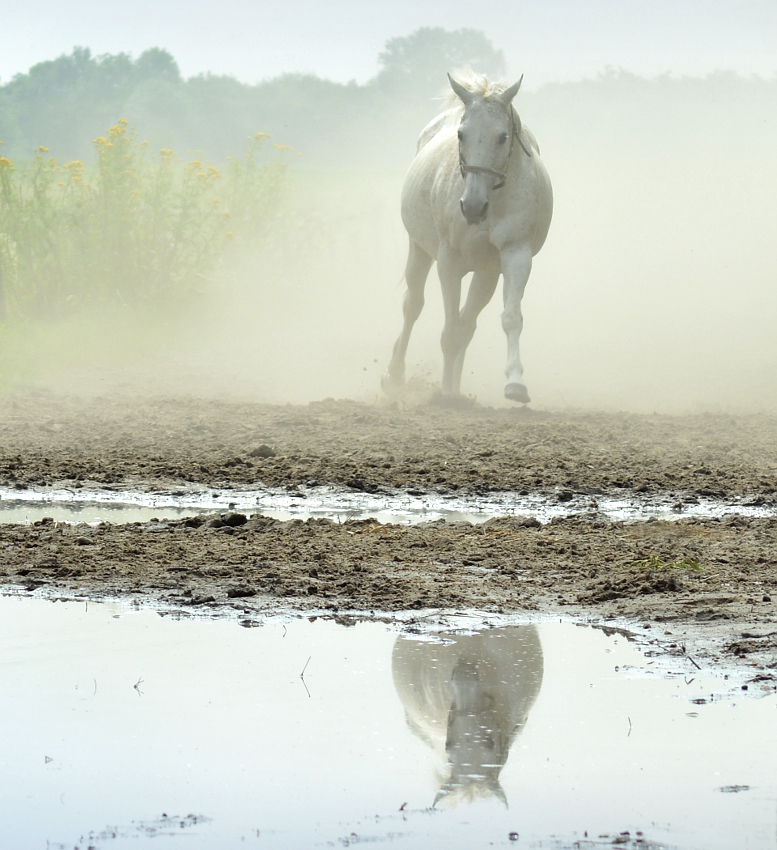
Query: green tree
x=417 y=63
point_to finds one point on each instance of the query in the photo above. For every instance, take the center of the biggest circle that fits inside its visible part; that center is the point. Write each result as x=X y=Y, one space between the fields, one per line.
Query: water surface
x=122 y=726
x=94 y=506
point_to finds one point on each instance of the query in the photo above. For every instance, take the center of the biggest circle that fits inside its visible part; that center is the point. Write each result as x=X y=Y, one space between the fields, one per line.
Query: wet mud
x=719 y=575
x=715 y=576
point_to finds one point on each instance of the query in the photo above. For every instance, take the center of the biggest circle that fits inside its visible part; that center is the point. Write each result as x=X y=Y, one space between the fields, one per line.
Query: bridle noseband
x=482 y=169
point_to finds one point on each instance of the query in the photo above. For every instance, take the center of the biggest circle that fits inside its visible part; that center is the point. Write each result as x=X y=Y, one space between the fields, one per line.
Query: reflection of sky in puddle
x=84 y=505
x=114 y=719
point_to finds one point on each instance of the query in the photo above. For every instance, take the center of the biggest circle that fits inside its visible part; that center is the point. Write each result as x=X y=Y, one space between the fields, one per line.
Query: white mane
x=474 y=82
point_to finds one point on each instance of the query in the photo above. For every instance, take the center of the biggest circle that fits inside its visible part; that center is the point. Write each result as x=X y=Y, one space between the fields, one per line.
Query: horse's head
x=478 y=737
x=487 y=131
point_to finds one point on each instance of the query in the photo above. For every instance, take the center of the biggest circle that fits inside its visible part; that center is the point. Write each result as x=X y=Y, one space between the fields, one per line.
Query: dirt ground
x=710 y=585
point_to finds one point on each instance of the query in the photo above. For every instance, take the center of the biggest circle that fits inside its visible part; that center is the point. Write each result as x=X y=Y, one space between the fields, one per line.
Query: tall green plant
x=138 y=229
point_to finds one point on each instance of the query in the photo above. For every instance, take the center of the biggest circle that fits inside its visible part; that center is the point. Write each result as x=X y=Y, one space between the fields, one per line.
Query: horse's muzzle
x=474 y=214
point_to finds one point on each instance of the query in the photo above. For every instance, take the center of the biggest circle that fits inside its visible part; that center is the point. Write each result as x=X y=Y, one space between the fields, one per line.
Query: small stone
x=84 y=541
x=767 y=599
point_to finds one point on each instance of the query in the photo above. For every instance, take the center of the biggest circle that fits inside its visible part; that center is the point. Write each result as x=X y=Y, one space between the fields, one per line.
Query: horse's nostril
x=485 y=209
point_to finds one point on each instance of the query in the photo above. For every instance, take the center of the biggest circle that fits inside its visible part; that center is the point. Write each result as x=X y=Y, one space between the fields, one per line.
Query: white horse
x=468 y=697
x=477 y=199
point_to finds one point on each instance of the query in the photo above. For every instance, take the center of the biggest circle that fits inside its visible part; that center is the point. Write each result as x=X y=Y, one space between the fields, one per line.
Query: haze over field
x=551 y=40
x=657 y=287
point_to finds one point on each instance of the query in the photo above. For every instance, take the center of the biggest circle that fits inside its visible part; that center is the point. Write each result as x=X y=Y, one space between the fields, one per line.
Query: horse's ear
x=465 y=95
x=507 y=96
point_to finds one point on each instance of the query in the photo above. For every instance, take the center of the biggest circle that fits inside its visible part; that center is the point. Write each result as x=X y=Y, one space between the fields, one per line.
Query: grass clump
x=136 y=229
x=654 y=562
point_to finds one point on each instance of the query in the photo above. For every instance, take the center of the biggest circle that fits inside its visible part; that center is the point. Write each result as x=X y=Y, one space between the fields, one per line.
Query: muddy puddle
x=122 y=726
x=408 y=508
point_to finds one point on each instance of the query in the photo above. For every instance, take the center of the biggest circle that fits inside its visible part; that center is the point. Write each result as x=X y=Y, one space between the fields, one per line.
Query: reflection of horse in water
x=468 y=698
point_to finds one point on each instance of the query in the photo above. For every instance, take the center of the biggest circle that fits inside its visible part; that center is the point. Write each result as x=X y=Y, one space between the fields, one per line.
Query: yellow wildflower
x=43 y=149
x=5 y=163
x=283 y=147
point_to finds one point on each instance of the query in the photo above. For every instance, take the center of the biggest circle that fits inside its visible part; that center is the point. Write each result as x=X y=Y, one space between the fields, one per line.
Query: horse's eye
x=503 y=138
x=460 y=135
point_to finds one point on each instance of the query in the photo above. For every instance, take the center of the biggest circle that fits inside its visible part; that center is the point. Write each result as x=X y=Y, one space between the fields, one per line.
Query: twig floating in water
x=302 y=675
x=137 y=687
x=629 y=735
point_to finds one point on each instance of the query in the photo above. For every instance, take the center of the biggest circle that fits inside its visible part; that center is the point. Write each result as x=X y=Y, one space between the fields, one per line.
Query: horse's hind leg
x=481 y=291
x=416 y=272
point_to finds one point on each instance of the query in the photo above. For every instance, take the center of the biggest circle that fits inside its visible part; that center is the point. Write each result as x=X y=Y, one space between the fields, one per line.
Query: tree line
x=67 y=102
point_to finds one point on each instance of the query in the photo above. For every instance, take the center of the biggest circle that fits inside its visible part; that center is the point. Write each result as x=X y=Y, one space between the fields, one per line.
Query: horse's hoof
x=517 y=392
x=390 y=384
x=453 y=401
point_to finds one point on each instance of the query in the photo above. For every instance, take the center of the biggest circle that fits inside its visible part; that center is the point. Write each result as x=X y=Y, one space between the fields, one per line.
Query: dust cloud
x=656 y=289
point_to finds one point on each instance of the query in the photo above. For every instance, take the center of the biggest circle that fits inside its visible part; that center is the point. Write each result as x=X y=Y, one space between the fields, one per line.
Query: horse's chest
x=476 y=250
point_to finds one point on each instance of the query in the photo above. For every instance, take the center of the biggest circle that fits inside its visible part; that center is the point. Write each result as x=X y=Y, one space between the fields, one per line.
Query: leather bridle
x=482 y=169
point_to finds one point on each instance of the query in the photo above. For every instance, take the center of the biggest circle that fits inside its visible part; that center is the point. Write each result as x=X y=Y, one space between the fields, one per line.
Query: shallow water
x=94 y=506
x=124 y=725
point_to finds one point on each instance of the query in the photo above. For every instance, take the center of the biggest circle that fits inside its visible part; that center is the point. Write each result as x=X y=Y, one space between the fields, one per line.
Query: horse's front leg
x=516 y=266
x=450 y=272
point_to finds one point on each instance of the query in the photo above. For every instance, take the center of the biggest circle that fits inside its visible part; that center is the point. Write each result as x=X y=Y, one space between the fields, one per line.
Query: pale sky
x=340 y=39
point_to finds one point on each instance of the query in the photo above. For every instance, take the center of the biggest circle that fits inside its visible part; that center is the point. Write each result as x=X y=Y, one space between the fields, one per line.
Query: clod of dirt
x=201 y=600
x=234 y=519
x=634 y=585
x=240 y=592
x=752 y=643
x=263 y=451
